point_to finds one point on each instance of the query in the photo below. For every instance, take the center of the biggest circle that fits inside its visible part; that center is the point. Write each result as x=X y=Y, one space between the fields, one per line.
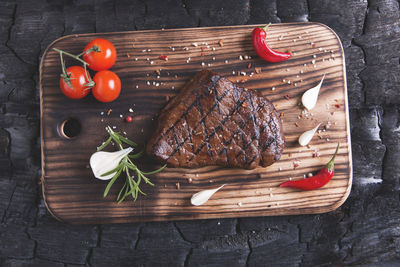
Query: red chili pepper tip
x=128 y=119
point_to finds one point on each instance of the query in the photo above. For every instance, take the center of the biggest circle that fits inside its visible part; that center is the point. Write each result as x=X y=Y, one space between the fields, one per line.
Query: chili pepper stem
x=331 y=163
x=266 y=27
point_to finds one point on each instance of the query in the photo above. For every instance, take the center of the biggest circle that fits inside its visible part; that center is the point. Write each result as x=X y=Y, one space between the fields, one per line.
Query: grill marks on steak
x=214 y=122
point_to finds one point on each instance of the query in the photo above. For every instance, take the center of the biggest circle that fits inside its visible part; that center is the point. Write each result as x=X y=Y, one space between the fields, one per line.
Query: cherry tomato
x=108 y=86
x=78 y=81
x=102 y=60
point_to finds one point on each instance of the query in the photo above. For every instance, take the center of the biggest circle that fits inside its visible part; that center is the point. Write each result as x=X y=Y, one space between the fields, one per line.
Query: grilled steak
x=214 y=122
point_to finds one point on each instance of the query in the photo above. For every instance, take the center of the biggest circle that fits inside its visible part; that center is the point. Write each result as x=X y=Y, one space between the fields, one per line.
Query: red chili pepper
x=262 y=48
x=316 y=181
x=163 y=57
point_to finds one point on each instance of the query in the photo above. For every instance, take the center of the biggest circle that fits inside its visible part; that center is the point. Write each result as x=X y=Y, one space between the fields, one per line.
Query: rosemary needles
x=110 y=166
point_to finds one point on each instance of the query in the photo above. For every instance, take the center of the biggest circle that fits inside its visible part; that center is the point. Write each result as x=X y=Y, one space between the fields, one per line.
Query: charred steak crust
x=214 y=122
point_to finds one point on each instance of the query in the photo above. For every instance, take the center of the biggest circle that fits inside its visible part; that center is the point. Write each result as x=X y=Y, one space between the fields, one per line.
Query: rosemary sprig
x=131 y=185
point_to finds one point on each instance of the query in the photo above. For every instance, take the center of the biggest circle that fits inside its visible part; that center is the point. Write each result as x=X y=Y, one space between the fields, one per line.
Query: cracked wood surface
x=362 y=231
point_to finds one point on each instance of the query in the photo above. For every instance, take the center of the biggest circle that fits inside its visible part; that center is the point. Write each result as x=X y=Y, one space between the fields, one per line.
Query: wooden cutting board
x=73 y=195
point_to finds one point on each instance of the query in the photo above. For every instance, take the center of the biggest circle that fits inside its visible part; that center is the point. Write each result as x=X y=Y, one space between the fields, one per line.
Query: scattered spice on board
x=296 y=164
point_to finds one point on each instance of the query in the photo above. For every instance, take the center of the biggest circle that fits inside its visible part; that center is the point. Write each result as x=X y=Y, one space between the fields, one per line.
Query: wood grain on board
x=73 y=195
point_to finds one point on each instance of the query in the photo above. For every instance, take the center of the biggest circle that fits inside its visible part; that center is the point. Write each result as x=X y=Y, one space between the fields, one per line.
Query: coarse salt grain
x=151 y=62
x=195 y=44
x=241 y=57
x=226 y=61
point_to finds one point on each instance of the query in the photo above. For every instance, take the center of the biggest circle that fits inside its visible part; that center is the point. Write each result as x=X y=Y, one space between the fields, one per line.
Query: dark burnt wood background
x=365 y=230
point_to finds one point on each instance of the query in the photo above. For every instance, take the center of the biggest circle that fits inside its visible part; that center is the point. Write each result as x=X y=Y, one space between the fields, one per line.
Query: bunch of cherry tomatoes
x=99 y=55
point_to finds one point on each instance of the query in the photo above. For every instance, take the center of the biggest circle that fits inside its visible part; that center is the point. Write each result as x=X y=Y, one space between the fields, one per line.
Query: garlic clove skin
x=310 y=97
x=102 y=162
x=203 y=196
x=306 y=137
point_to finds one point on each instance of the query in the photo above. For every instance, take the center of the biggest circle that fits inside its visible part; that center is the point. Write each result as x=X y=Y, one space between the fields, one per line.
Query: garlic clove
x=203 y=196
x=102 y=162
x=306 y=137
x=310 y=97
